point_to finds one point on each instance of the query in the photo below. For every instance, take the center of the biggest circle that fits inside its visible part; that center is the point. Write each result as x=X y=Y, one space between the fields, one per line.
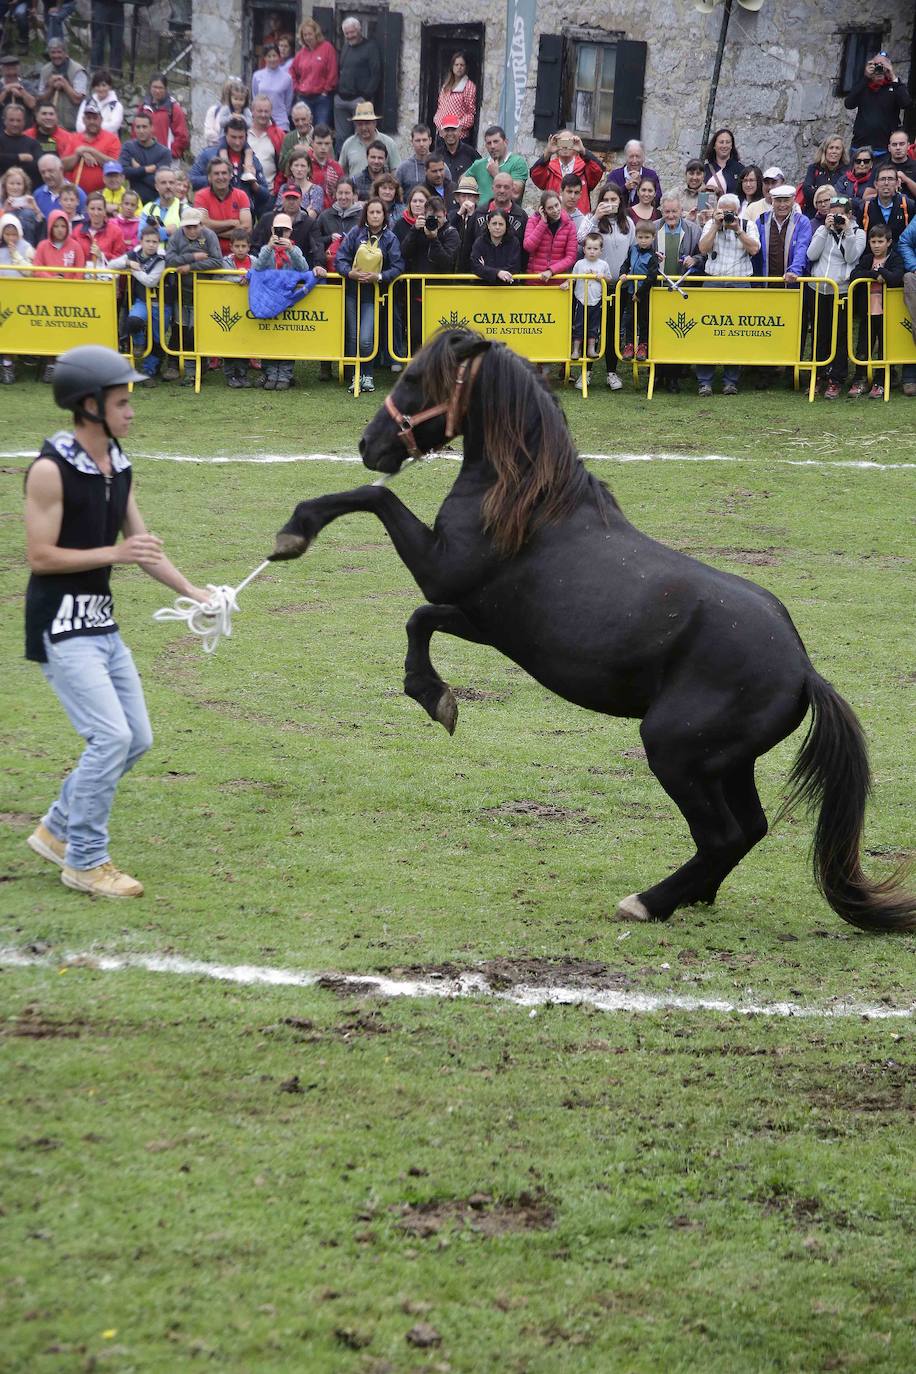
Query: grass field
x=253 y=1178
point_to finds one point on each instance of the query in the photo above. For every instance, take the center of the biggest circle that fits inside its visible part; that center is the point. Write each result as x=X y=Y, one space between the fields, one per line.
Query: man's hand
x=790 y=277
x=143 y=549
x=506 y=277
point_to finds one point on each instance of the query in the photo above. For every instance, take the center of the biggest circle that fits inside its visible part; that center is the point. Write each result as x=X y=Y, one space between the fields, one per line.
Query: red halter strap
x=407 y=423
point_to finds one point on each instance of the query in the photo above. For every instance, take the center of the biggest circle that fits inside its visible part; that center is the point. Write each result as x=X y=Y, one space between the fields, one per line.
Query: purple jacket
x=798 y=236
x=618 y=178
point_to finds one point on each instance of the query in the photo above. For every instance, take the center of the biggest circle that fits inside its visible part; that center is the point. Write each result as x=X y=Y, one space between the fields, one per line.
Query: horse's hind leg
x=744 y=803
x=421 y=681
x=696 y=777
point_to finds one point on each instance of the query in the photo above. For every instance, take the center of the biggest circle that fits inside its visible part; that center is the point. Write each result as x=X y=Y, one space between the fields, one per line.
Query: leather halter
x=407 y=423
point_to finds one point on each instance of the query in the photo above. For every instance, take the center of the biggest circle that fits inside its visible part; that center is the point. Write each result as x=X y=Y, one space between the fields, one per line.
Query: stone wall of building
x=775 y=89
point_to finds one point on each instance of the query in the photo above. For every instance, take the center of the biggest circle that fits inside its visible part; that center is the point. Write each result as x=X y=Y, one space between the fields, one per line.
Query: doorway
x=438 y=42
x=264 y=21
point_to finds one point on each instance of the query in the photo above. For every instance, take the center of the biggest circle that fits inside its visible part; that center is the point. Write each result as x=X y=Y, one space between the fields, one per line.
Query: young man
x=458 y=155
x=376 y=164
x=498 y=159
x=326 y=172
x=886 y=204
x=78 y=502
x=142 y=156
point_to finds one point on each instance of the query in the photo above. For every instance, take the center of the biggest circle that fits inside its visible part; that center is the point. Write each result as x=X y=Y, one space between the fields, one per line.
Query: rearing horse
x=531 y=553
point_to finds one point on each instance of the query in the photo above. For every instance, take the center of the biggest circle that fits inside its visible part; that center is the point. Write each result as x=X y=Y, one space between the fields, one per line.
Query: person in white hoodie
x=15 y=252
x=833 y=252
x=102 y=92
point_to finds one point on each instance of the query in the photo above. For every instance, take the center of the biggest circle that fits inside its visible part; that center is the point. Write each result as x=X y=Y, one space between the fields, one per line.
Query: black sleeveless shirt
x=94 y=507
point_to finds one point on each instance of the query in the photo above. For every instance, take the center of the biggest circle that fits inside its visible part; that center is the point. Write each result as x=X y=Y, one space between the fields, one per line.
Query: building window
x=592 y=97
x=858 y=46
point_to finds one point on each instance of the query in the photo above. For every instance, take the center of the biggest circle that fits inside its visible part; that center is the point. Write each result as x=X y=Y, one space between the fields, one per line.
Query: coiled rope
x=211 y=620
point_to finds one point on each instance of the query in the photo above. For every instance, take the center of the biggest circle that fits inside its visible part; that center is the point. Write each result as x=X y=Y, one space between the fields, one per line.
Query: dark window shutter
x=388 y=36
x=629 y=85
x=547 y=96
x=323 y=16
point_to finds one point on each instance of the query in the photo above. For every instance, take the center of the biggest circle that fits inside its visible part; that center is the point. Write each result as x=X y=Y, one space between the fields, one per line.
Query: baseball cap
x=291 y=190
x=111 y=167
x=774 y=174
x=449 y=122
x=784 y=190
x=191 y=215
x=92 y=107
x=9 y=59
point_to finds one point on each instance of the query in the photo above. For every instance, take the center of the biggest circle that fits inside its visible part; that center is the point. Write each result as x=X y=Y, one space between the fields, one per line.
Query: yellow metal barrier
x=44 y=310
x=899 y=340
x=533 y=320
x=756 y=321
x=220 y=324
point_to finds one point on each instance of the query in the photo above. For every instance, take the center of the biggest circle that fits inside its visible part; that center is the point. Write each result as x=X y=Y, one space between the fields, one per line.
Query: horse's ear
x=468 y=345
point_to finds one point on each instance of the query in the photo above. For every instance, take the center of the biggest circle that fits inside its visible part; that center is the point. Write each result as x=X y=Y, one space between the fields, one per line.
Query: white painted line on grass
x=464 y=985
x=863 y=464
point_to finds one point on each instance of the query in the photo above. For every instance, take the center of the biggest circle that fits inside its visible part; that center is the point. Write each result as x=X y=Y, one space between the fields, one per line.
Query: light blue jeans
x=97 y=684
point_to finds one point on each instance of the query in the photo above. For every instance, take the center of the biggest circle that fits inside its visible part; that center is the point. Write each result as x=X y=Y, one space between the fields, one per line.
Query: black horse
x=532 y=554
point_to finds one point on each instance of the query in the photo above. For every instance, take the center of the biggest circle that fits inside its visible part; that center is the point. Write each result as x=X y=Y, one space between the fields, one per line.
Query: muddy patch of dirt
x=870 y=1087
x=480 y=1212
x=34 y=1024
x=509 y=972
x=352 y=568
x=476 y=694
x=539 y=811
x=298 y=608
x=637 y=752
x=20 y=820
x=891 y=854
x=753 y=558
x=804 y=1212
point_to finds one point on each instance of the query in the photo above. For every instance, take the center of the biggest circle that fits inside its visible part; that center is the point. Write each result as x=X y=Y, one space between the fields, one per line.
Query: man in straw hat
x=81 y=517
x=359 y=78
x=354 y=153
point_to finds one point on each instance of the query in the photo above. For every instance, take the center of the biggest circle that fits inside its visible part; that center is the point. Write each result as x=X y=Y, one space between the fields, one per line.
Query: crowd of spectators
x=293 y=172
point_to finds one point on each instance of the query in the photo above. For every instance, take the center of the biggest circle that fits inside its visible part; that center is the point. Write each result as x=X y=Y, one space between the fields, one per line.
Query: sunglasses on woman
x=865 y=161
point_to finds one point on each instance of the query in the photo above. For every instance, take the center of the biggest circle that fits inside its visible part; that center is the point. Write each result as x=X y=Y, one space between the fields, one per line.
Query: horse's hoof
x=632 y=909
x=447 y=710
x=287 y=546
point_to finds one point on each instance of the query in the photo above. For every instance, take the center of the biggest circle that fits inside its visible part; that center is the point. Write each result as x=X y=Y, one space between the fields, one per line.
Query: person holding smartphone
x=878 y=99
x=280 y=254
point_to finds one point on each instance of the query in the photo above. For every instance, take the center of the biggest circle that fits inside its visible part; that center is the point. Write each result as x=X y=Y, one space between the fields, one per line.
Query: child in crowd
x=279 y=254
x=115 y=186
x=235 y=370
x=146 y=264
x=69 y=201
x=881 y=265
x=587 y=298
x=128 y=217
x=183 y=186
x=642 y=262
x=15 y=252
x=60 y=248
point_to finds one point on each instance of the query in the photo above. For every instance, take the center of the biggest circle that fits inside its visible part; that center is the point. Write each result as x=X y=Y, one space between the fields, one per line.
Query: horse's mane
x=540 y=478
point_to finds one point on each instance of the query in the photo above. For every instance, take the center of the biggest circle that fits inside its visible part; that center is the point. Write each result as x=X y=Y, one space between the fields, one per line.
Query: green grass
x=667 y=1192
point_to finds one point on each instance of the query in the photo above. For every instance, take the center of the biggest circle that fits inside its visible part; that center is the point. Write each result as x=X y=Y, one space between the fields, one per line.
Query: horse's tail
x=832 y=772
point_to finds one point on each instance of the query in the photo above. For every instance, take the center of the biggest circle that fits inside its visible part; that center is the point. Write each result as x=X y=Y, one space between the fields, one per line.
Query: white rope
x=211 y=620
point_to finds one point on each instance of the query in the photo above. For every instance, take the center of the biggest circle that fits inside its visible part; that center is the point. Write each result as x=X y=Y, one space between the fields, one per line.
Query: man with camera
x=729 y=245
x=833 y=252
x=878 y=98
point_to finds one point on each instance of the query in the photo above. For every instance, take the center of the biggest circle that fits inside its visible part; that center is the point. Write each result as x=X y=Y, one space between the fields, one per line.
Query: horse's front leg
x=415 y=543
x=421 y=681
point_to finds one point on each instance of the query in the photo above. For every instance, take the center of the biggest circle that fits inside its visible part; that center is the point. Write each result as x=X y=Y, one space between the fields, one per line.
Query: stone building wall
x=775 y=90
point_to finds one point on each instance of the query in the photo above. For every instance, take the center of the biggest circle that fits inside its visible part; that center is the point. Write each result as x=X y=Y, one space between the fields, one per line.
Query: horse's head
x=429 y=403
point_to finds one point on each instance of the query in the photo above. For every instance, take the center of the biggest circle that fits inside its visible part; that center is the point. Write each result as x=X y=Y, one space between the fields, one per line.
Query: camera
x=432 y=222
x=729 y=218
x=839 y=221
x=879 y=68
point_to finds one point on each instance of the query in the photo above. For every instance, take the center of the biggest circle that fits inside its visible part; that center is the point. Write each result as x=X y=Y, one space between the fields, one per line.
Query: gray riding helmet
x=88 y=371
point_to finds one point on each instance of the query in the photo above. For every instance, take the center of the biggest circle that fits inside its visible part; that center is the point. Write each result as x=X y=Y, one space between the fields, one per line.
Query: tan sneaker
x=103 y=881
x=47 y=845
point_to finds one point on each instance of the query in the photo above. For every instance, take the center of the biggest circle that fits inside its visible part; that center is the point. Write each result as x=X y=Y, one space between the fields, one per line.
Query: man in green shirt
x=498 y=159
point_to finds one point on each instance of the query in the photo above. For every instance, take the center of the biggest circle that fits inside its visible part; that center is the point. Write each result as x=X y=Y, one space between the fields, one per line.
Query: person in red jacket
x=59 y=249
x=170 y=125
x=99 y=237
x=550 y=239
x=314 y=72
x=565 y=153
x=90 y=151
